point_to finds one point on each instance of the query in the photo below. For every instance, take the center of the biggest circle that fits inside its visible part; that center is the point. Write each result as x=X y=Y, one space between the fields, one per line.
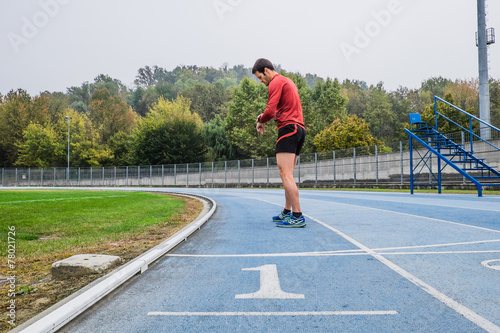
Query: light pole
x=484 y=37
x=68 y=119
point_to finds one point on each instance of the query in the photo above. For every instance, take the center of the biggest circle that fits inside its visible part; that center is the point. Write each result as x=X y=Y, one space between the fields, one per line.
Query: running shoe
x=292 y=222
x=281 y=217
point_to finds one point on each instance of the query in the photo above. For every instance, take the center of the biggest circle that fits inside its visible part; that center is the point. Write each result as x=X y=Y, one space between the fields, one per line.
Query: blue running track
x=365 y=262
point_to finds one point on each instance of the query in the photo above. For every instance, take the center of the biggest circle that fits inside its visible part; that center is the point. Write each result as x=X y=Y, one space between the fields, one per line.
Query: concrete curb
x=64 y=311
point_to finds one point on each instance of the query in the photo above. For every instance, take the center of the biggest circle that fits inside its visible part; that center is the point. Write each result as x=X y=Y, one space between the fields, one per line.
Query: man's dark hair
x=262 y=64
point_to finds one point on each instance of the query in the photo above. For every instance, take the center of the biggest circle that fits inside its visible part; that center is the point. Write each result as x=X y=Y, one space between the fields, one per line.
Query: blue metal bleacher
x=449 y=153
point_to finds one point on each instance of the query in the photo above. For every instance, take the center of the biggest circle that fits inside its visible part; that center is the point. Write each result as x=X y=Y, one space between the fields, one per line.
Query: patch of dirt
x=36 y=271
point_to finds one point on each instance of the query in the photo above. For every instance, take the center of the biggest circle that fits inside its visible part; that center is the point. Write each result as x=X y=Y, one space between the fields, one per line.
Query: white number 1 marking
x=269 y=285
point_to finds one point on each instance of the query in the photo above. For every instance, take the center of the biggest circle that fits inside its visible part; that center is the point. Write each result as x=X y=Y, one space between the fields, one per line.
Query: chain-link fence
x=364 y=166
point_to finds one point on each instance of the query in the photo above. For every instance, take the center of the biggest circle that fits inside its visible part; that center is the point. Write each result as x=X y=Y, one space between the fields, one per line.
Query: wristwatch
x=258 y=119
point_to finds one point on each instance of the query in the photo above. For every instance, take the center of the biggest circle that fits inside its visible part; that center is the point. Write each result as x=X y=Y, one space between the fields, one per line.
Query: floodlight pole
x=484 y=93
x=68 y=119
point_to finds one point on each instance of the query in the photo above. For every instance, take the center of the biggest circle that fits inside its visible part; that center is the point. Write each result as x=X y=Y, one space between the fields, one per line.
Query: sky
x=50 y=45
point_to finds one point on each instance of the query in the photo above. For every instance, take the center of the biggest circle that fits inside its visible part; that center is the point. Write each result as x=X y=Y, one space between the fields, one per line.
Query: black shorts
x=290 y=139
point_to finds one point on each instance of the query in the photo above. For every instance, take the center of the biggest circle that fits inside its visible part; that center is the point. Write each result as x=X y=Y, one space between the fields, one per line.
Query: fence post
x=29 y=176
x=187 y=174
x=41 y=177
x=253 y=172
x=316 y=168
x=175 y=174
x=212 y=174
x=376 y=164
x=334 y=171
x=138 y=175
x=401 y=159
x=354 y=162
x=126 y=176
x=114 y=175
x=225 y=173
x=162 y=175
x=150 y=175
x=200 y=173
x=239 y=179
x=79 y=176
x=268 y=171
x=102 y=176
x=16 y=178
x=54 y=176
x=3 y=176
x=91 y=179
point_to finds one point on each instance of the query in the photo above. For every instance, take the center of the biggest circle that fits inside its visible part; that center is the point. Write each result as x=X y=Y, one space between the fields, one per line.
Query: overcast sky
x=54 y=44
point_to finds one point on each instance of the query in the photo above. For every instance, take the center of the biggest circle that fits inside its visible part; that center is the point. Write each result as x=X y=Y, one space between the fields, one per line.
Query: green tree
x=120 y=145
x=40 y=147
x=249 y=100
x=46 y=145
x=208 y=100
x=110 y=114
x=169 y=134
x=329 y=102
x=85 y=145
x=17 y=111
x=217 y=141
x=357 y=97
x=351 y=132
x=379 y=114
x=435 y=85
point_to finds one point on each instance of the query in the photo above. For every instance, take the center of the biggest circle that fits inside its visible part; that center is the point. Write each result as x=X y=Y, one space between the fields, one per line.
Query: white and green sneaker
x=292 y=222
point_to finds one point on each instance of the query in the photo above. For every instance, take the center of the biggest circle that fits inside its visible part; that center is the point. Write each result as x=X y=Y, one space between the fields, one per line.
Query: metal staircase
x=449 y=153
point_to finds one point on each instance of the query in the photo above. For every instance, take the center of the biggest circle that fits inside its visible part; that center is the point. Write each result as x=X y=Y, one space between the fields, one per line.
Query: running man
x=283 y=105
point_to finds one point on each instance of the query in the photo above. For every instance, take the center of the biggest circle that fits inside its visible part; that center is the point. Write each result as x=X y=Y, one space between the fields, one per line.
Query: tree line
x=196 y=114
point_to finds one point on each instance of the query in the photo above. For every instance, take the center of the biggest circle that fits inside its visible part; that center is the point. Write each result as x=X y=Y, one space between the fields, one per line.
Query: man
x=283 y=105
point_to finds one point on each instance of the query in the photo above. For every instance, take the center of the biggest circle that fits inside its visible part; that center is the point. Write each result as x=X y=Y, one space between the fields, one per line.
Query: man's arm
x=275 y=90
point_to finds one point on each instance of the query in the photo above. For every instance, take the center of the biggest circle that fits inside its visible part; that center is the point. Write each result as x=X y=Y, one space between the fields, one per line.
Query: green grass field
x=51 y=225
x=51 y=221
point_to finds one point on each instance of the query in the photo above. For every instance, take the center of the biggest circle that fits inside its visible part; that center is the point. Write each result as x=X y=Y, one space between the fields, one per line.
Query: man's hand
x=261 y=128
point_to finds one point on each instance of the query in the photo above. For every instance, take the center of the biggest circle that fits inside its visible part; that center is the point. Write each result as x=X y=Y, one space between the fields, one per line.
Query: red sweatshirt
x=283 y=102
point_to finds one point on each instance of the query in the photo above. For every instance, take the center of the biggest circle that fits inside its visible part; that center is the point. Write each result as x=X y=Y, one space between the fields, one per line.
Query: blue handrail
x=471 y=117
x=440 y=157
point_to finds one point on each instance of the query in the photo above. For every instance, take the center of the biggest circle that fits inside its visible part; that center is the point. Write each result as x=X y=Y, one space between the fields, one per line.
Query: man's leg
x=286 y=163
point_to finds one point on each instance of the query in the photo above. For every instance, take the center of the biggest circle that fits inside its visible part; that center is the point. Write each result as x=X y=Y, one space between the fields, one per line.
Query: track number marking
x=269 y=285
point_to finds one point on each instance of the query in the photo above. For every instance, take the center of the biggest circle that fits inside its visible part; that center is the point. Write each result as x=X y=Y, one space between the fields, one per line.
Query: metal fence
x=363 y=166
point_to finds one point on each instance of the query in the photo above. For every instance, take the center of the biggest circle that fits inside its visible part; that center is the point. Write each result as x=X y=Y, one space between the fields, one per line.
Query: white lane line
x=299 y=313
x=57 y=199
x=321 y=254
x=439 y=252
x=448 y=301
x=437 y=245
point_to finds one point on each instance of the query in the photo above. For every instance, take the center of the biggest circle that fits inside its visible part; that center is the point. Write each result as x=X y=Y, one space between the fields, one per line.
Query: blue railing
x=472 y=135
x=440 y=157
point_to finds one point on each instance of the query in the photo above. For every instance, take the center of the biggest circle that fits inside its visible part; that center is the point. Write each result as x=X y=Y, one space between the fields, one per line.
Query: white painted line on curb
x=300 y=313
x=65 y=311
